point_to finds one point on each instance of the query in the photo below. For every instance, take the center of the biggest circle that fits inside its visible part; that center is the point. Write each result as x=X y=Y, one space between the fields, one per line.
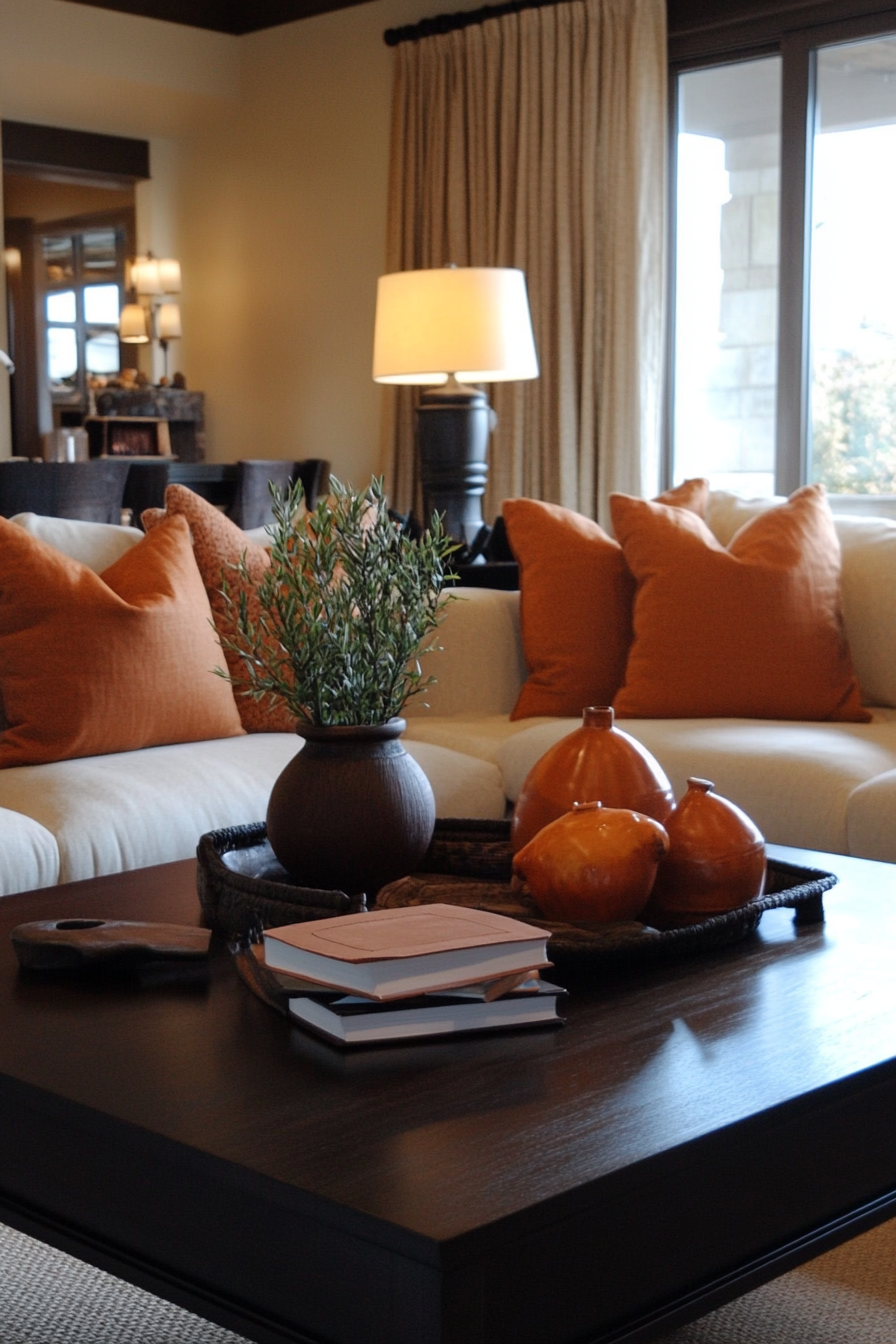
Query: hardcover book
x=350 y=1020
x=391 y=954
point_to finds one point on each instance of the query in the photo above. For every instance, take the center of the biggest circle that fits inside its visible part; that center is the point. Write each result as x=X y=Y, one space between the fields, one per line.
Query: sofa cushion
x=726 y=513
x=219 y=545
x=30 y=855
x=463 y=785
x=479 y=662
x=576 y=595
x=794 y=779
x=112 y=813
x=870 y=818
x=869 y=603
x=480 y=735
x=125 y=659
x=867 y=581
x=754 y=630
x=128 y=810
x=96 y=545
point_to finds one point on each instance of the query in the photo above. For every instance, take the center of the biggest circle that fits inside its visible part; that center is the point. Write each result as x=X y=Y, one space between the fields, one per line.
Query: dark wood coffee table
x=695 y=1130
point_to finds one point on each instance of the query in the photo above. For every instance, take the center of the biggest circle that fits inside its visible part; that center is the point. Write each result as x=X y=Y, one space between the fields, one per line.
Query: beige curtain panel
x=538 y=140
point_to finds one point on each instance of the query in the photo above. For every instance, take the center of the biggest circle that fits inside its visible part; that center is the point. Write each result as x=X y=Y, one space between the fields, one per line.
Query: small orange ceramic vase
x=596 y=761
x=594 y=864
x=716 y=859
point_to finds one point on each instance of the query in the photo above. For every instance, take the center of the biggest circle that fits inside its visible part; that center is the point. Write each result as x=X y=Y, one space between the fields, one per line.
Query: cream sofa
x=107 y=814
x=814 y=785
x=827 y=786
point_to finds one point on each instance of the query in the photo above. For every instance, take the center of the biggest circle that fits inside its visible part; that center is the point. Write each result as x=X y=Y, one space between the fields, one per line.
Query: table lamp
x=450 y=327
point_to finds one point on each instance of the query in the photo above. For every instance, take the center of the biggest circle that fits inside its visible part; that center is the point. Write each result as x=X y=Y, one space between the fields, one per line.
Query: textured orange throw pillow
x=217 y=544
x=751 y=631
x=95 y=663
x=576 y=597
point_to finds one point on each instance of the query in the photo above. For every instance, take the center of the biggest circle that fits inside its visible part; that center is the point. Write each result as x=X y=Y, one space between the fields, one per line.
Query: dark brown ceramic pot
x=599 y=763
x=352 y=810
x=716 y=859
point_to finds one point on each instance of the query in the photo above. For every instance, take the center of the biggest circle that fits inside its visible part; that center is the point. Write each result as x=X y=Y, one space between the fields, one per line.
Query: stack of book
x=430 y=970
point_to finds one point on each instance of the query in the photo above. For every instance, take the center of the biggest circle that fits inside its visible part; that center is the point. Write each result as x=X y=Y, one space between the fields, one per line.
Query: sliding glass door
x=783 y=360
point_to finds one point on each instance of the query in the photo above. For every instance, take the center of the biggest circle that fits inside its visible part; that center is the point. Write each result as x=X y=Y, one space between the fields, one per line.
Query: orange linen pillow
x=217 y=544
x=96 y=663
x=576 y=597
x=751 y=631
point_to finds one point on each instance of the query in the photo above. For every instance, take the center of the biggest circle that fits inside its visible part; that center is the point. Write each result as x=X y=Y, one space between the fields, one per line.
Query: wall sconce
x=151 y=315
x=454 y=326
x=151 y=275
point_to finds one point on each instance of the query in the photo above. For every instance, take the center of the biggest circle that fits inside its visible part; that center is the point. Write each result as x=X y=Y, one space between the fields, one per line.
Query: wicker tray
x=469 y=863
x=241 y=885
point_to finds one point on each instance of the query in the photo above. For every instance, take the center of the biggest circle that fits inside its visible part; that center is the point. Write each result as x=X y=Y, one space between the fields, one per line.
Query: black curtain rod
x=451 y=23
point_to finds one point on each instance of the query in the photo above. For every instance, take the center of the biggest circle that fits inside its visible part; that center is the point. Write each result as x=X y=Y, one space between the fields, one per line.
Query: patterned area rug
x=845 y=1297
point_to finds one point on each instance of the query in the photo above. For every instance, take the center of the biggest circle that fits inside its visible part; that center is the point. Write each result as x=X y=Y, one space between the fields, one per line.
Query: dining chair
x=91 y=491
x=251 y=505
x=145 y=488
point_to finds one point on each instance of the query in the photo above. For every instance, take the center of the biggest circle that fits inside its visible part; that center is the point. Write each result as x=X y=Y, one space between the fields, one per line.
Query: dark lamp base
x=453 y=425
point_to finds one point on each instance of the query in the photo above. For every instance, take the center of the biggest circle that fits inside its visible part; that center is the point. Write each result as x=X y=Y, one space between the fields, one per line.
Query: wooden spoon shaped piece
x=61 y=944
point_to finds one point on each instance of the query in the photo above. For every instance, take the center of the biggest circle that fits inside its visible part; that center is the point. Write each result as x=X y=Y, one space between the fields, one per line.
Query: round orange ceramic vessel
x=595 y=761
x=594 y=864
x=716 y=858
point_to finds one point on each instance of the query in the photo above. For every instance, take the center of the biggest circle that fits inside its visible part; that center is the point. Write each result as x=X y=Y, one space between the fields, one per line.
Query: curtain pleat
x=537 y=140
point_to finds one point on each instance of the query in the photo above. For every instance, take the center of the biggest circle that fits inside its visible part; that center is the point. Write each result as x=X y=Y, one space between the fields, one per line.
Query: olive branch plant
x=339 y=621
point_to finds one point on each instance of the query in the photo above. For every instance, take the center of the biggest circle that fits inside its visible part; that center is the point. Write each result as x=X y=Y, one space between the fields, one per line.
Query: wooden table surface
x=695 y=1129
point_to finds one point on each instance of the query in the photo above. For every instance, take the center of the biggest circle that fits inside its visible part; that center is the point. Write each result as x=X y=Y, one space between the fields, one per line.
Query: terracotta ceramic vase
x=594 y=864
x=597 y=761
x=716 y=858
x=352 y=810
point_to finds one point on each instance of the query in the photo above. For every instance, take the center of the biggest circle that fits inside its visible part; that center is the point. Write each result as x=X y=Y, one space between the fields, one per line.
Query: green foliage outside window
x=854 y=424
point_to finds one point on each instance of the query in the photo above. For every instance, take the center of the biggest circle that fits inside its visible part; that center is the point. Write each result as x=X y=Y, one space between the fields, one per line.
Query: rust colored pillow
x=218 y=543
x=576 y=596
x=751 y=631
x=96 y=663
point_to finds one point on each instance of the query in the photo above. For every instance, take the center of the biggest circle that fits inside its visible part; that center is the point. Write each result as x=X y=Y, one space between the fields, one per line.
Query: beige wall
x=29 y=198
x=316 y=128
x=269 y=157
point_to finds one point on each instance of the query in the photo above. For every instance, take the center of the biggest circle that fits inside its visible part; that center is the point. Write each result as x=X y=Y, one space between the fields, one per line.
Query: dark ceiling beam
x=685 y=16
x=195 y=13
x=223 y=16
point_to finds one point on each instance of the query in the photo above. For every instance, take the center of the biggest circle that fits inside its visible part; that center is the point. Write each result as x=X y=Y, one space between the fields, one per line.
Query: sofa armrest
x=480 y=667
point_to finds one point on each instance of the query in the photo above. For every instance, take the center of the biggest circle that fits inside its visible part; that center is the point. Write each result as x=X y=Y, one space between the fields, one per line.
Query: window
x=783 y=362
x=726 y=316
x=852 y=308
x=84 y=279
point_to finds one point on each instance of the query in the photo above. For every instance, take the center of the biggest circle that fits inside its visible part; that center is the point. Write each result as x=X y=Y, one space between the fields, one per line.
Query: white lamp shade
x=168 y=322
x=471 y=321
x=145 y=276
x=169 y=275
x=155 y=275
x=132 y=328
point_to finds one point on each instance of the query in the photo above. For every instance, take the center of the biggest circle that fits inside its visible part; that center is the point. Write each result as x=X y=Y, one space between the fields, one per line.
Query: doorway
x=69 y=229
